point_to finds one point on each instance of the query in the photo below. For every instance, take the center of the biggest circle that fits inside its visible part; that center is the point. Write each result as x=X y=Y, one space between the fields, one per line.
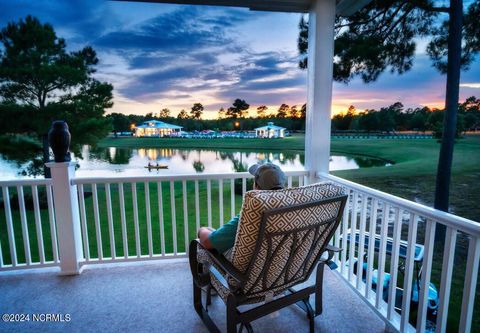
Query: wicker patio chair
x=281 y=238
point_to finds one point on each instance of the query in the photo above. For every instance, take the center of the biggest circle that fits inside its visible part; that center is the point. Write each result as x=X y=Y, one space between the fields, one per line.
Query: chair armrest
x=330 y=249
x=199 y=277
x=224 y=264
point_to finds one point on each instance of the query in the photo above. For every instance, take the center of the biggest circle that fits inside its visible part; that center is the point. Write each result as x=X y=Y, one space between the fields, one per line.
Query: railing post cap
x=52 y=165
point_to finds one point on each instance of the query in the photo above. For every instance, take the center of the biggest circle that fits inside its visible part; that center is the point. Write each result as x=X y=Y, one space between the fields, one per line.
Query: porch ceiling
x=344 y=7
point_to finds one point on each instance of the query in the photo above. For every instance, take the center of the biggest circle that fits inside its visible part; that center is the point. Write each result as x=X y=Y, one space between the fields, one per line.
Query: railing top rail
x=158 y=178
x=468 y=226
x=25 y=182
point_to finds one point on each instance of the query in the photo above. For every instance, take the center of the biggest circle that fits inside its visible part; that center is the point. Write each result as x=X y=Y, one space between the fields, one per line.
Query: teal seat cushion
x=386 y=278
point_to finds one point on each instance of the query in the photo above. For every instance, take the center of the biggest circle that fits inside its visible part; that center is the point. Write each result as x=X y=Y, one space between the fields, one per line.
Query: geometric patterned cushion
x=256 y=202
x=294 y=255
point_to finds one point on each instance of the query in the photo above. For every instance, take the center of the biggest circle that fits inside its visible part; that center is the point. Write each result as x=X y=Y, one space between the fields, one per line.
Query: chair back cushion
x=281 y=234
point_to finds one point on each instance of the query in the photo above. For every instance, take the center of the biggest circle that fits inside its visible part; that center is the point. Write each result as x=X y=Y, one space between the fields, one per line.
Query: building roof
x=158 y=124
x=270 y=126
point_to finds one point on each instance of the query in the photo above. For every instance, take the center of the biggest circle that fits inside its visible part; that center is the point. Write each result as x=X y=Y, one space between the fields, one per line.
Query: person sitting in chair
x=268 y=176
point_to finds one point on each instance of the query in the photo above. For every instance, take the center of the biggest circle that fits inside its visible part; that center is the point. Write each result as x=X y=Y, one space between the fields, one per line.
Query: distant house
x=156 y=128
x=270 y=131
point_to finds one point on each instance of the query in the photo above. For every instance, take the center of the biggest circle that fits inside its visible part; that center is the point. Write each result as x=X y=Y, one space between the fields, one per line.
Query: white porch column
x=319 y=86
x=67 y=217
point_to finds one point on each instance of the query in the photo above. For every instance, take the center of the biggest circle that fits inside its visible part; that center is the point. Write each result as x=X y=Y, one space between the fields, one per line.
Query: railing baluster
x=361 y=244
x=108 y=197
x=174 y=217
x=123 y=219
x=138 y=250
x=345 y=231
x=51 y=220
x=244 y=186
x=10 y=232
x=220 y=200
x=382 y=254
x=149 y=219
x=371 y=243
x=96 y=214
x=160 y=217
x=23 y=219
x=197 y=205
x=209 y=202
x=83 y=221
x=408 y=278
x=185 y=214
x=336 y=242
x=471 y=274
x=38 y=224
x=426 y=273
x=289 y=181
x=446 y=279
x=397 y=230
x=353 y=226
x=232 y=197
x=301 y=180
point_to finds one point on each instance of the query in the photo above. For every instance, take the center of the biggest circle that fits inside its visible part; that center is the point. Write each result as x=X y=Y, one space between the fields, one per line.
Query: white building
x=270 y=131
x=156 y=128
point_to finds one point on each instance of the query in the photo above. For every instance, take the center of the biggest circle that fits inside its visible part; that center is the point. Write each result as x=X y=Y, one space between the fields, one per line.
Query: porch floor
x=156 y=297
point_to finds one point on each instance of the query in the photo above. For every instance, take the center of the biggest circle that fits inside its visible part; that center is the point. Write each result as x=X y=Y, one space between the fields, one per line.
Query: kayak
x=156 y=167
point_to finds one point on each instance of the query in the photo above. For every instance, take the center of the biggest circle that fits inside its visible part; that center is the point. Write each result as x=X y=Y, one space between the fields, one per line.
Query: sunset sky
x=158 y=56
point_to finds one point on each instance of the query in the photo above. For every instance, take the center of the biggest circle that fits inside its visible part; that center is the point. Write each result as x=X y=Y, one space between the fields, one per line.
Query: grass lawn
x=295 y=142
x=412 y=177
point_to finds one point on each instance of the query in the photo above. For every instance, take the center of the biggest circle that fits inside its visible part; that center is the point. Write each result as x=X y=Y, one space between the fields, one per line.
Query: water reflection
x=182 y=161
x=132 y=162
x=111 y=155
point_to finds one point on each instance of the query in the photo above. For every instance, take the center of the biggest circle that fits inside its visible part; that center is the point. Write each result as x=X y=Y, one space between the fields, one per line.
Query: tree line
x=386 y=119
x=396 y=118
x=235 y=117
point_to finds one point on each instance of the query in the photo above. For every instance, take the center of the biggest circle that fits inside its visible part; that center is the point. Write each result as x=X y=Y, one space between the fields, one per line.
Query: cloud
x=192 y=51
x=187 y=29
x=77 y=20
x=159 y=55
x=177 y=55
x=470 y=85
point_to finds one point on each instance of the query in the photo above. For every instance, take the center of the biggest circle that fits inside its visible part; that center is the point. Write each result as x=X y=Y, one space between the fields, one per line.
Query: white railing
x=385 y=238
x=165 y=212
x=28 y=221
x=405 y=232
x=119 y=218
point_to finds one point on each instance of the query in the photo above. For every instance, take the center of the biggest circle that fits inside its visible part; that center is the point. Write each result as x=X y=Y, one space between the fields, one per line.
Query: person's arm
x=223 y=238
x=203 y=235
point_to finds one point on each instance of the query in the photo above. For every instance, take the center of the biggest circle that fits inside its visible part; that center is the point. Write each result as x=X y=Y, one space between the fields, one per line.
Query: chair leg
x=249 y=328
x=319 y=289
x=202 y=313
x=209 y=295
x=310 y=314
x=197 y=297
x=231 y=314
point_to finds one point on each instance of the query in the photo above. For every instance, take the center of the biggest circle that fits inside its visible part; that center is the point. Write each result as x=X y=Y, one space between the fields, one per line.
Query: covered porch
x=75 y=233
x=155 y=297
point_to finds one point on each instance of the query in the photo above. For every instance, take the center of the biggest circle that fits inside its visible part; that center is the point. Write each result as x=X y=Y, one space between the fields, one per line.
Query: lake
x=113 y=161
